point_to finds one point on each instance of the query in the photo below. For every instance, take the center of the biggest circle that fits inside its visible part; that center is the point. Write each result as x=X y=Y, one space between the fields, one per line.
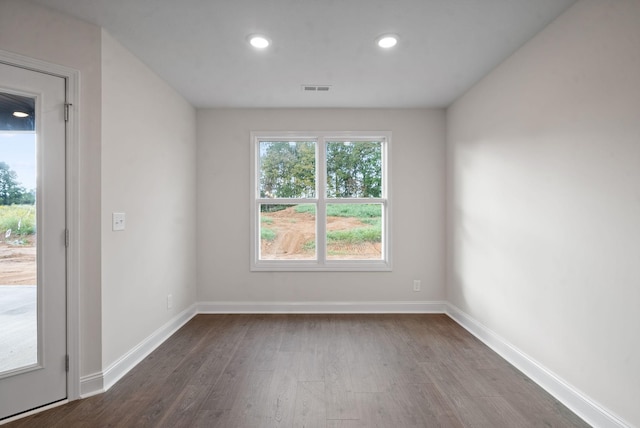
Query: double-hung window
x=320 y=201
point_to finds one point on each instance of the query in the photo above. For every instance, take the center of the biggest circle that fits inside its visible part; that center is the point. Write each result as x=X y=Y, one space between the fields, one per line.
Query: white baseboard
x=122 y=366
x=100 y=382
x=91 y=385
x=575 y=400
x=322 y=307
x=97 y=383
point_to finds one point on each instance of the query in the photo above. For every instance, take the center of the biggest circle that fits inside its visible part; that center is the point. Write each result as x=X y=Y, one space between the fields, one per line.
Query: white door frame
x=71 y=77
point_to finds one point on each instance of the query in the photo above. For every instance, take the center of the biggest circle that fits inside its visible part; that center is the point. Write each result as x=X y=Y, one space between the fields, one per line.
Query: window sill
x=337 y=266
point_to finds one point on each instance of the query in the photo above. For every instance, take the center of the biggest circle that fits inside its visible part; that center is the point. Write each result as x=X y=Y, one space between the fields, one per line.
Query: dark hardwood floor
x=317 y=371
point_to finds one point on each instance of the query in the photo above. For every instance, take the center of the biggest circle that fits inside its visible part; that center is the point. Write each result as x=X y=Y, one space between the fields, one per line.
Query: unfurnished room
x=319 y=213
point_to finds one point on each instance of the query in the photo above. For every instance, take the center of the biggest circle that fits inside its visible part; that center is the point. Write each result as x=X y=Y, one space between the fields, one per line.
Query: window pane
x=18 y=244
x=354 y=169
x=287 y=169
x=288 y=232
x=354 y=231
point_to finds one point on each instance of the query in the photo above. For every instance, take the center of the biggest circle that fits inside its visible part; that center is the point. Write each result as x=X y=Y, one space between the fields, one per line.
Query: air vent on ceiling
x=316 y=88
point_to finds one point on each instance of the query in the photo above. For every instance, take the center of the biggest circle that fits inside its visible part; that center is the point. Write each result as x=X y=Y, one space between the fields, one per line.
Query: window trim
x=321 y=263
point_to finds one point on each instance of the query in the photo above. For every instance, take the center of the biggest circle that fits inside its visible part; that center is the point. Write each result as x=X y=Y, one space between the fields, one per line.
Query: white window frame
x=321 y=263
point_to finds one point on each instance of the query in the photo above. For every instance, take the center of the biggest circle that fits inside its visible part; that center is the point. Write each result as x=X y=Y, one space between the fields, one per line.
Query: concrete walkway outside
x=18 y=326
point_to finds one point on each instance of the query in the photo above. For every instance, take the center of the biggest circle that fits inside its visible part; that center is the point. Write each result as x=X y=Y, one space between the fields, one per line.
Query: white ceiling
x=199 y=46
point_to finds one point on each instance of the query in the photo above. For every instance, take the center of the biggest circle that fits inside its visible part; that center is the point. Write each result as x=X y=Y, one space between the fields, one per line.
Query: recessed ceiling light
x=387 y=41
x=259 y=41
x=20 y=114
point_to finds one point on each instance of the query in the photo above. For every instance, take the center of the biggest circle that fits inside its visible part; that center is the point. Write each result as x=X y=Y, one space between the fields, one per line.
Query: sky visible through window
x=18 y=150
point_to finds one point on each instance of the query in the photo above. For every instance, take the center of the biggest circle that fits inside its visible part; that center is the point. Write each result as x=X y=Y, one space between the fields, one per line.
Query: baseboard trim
x=122 y=366
x=101 y=382
x=576 y=401
x=97 y=383
x=424 y=307
x=92 y=384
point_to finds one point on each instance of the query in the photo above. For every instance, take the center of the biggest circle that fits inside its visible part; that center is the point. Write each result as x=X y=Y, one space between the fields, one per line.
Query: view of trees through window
x=287 y=169
x=352 y=214
x=11 y=190
x=17 y=211
x=354 y=170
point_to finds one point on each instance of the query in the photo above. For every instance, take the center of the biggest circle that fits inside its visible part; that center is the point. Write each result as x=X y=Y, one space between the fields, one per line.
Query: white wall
x=136 y=153
x=543 y=197
x=148 y=172
x=39 y=33
x=223 y=207
x=544 y=201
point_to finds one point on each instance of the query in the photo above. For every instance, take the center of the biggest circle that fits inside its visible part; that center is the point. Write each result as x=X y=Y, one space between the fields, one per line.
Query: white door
x=33 y=343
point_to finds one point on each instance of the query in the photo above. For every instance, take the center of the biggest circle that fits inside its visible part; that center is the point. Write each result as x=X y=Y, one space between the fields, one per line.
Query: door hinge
x=66 y=238
x=66 y=362
x=66 y=111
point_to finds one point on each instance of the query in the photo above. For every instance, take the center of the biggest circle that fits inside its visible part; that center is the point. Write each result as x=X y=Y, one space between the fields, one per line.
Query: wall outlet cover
x=118 y=221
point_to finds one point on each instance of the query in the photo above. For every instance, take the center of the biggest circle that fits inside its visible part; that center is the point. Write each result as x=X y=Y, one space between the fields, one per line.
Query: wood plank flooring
x=334 y=371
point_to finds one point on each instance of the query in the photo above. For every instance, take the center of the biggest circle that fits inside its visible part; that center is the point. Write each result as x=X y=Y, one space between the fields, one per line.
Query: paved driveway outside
x=18 y=326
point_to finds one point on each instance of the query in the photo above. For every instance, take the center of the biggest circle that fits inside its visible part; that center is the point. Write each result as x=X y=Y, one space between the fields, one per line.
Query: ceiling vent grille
x=316 y=88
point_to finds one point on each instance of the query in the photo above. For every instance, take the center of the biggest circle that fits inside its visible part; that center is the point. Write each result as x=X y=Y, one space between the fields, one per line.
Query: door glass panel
x=18 y=258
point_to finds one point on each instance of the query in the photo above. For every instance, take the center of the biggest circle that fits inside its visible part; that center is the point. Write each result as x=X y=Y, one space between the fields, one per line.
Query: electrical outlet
x=169 y=301
x=118 y=220
x=416 y=285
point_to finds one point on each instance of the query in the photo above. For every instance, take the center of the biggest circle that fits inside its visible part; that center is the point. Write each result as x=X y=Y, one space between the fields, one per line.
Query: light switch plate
x=118 y=221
